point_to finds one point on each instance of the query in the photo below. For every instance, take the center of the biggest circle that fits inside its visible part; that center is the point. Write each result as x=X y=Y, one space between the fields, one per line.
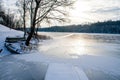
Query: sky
x=95 y=10
x=86 y=11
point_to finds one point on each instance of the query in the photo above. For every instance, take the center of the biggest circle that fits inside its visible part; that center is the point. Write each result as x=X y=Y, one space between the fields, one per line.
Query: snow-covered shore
x=39 y=66
x=6 y=32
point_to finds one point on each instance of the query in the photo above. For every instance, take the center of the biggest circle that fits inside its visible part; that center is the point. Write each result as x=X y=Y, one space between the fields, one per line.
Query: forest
x=98 y=27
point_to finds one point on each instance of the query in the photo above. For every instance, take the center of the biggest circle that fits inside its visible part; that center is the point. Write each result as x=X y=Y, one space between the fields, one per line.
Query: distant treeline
x=98 y=27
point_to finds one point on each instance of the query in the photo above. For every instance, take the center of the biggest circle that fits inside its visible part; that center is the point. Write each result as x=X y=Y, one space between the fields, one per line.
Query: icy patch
x=58 y=71
x=109 y=65
x=81 y=73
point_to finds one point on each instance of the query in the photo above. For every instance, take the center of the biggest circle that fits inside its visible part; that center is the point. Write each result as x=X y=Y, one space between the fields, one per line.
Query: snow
x=59 y=68
x=6 y=32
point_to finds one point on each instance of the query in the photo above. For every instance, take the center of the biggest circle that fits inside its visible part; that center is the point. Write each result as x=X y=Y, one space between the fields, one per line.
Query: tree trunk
x=33 y=25
x=30 y=36
x=24 y=21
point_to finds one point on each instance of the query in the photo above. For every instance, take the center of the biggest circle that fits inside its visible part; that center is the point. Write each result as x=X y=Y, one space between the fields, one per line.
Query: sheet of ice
x=58 y=71
x=81 y=73
x=13 y=69
x=108 y=65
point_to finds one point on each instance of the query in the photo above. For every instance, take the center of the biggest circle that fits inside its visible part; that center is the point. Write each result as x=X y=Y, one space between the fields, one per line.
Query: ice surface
x=64 y=72
x=61 y=72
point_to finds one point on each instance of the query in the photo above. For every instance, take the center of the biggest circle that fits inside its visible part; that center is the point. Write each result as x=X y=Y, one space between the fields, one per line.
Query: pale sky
x=95 y=10
x=89 y=10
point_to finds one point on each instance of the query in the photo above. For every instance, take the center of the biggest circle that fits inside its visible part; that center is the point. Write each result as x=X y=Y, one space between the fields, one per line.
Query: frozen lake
x=73 y=45
x=98 y=55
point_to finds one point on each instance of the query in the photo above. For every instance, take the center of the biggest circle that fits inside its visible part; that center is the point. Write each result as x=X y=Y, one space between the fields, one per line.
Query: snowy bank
x=7 y=32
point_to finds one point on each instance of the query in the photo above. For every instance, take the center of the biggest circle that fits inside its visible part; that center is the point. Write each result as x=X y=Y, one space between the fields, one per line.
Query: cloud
x=104 y=9
x=107 y=10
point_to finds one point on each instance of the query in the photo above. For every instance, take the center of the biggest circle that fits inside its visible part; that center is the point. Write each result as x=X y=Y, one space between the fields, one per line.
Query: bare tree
x=22 y=4
x=46 y=11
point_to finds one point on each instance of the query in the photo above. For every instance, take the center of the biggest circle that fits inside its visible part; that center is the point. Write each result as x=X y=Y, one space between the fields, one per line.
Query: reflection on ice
x=78 y=48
